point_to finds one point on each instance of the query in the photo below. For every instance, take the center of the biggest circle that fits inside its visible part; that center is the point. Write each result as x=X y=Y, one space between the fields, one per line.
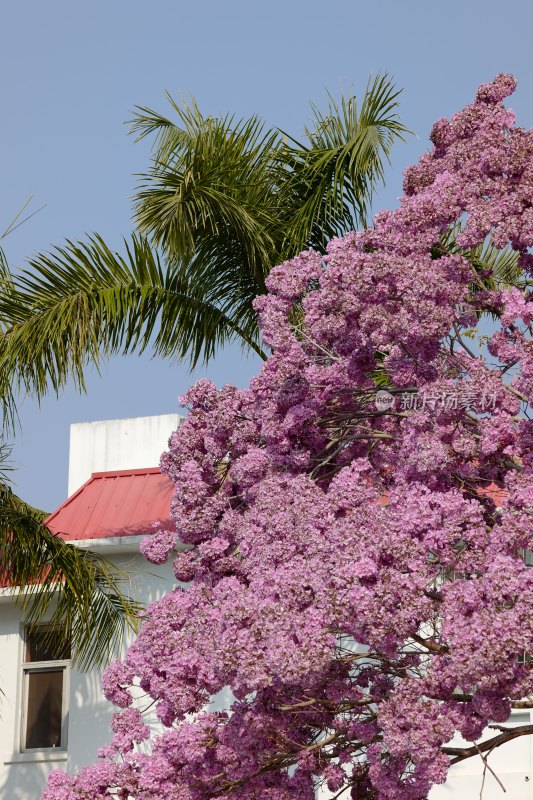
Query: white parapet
x=115 y=444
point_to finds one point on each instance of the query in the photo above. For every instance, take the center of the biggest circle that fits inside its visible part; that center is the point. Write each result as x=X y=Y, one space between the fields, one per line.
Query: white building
x=51 y=715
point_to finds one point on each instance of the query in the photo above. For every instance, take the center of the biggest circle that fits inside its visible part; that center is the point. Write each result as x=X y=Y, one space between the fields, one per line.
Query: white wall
x=511 y=763
x=23 y=776
x=117 y=444
x=90 y=712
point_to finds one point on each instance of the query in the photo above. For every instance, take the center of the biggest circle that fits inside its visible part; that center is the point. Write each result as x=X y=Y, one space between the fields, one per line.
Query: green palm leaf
x=502 y=262
x=8 y=399
x=494 y=268
x=78 y=591
x=211 y=179
x=333 y=175
x=84 y=300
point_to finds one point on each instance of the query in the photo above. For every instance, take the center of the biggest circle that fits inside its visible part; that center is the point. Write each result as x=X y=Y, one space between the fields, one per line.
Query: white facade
x=114 y=444
x=23 y=775
x=94 y=447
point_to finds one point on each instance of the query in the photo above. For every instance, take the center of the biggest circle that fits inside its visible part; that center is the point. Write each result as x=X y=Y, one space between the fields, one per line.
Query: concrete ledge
x=38 y=757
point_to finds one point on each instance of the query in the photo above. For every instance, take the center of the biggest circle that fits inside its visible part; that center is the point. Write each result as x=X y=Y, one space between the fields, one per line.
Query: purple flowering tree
x=357 y=518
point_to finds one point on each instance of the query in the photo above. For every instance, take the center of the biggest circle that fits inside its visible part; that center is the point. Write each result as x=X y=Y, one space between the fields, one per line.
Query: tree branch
x=462 y=753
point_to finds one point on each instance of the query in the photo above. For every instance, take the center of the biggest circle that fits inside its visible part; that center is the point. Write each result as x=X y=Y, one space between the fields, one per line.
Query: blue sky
x=70 y=73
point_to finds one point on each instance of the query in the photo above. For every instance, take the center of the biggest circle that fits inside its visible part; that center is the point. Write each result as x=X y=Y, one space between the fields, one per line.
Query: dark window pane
x=44 y=709
x=45 y=644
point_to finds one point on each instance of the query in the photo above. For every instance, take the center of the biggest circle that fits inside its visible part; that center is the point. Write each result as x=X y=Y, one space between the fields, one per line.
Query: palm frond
x=224 y=201
x=498 y=266
x=16 y=222
x=5 y=273
x=334 y=172
x=78 y=592
x=211 y=177
x=502 y=263
x=85 y=300
x=8 y=399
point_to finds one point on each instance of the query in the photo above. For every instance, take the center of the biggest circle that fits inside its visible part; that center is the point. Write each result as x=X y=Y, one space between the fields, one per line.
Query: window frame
x=31 y=667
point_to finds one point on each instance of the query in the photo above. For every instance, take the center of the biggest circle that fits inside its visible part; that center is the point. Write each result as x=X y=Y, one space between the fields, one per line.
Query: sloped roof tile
x=120 y=503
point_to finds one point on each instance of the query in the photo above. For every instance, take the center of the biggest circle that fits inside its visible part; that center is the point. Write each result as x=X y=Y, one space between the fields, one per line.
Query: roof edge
x=121 y=473
x=120 y=544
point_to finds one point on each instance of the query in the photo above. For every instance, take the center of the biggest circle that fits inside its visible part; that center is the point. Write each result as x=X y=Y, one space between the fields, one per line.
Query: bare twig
x=489 y=768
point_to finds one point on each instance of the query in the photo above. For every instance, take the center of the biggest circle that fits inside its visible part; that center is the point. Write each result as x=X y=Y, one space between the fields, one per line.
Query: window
x=45 y=687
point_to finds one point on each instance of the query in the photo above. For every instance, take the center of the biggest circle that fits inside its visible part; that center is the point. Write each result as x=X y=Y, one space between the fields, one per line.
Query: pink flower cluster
x=349 y=580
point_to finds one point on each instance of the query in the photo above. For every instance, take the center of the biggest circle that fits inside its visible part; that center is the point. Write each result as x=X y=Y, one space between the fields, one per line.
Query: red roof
x=121 y=503
x=496 y=494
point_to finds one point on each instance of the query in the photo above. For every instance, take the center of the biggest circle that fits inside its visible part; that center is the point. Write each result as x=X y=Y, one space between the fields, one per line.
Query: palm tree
x=224 y=201
x=78 y=592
